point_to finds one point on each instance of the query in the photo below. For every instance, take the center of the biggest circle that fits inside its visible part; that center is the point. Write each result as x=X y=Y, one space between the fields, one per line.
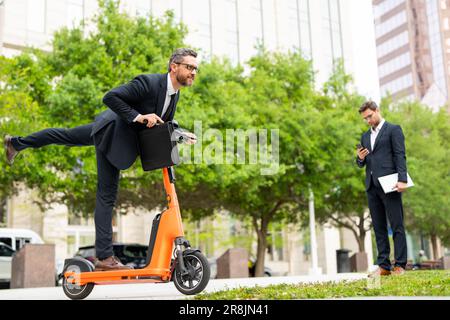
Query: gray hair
x=179 y=54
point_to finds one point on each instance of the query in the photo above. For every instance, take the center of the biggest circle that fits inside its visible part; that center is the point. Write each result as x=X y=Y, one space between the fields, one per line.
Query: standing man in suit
x=382 y=152
x=147 y=100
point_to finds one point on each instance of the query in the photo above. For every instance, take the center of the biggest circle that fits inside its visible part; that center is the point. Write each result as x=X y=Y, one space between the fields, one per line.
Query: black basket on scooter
x=158 y=147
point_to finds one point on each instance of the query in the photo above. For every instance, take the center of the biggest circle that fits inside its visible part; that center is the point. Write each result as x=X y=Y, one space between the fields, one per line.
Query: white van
x=11 y=240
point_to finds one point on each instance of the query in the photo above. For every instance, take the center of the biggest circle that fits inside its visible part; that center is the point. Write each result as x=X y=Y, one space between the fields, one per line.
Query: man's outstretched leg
x=107 y=186
x=78 y=136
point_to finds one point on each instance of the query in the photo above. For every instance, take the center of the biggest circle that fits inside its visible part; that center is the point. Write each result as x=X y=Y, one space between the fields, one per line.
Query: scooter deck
x=103 y=277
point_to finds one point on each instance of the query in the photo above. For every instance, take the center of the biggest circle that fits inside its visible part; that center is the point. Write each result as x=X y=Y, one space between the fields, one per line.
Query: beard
x=185 y=81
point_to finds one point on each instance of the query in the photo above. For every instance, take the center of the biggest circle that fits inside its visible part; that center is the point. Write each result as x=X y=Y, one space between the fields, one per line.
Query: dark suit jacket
x=388 y=155
x=114 y=132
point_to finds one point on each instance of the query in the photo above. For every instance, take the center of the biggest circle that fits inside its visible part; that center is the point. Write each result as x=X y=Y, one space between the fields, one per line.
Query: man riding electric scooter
x=146 y=101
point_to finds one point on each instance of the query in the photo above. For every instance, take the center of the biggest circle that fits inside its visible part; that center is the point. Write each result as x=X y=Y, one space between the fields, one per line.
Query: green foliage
x=427 y=136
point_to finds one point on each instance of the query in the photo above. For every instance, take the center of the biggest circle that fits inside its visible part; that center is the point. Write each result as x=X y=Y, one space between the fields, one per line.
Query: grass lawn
x=413 y=283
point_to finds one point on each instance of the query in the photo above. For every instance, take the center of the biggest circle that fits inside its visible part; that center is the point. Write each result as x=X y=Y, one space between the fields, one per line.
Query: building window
x=394 y=65
x=386 y=6
x=397 y=85
x=391 y=24
x=392 y=44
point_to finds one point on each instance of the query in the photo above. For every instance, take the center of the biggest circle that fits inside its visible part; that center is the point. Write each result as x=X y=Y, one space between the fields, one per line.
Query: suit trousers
x=107 y=177
x=383 y=208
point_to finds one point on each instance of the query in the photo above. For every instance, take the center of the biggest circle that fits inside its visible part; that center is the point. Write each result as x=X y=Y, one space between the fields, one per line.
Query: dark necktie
x=166 y=115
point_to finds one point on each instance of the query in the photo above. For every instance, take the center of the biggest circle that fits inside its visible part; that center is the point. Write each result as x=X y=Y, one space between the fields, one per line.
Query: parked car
x=134 y=255
x=17 y=238
x=12 y=240
x=6 y=253
x=251 y=269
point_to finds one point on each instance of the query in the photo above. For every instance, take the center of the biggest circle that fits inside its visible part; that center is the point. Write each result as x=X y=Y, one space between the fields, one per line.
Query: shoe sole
x=5 y=145
x=115 y=269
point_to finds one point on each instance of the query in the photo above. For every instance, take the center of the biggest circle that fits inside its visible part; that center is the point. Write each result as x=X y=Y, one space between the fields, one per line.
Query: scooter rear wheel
x=197 y=277
x=75 y=291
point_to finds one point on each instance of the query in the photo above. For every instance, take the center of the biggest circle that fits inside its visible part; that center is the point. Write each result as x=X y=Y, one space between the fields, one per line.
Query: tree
x=427 y=136
x=343 y=201
x=278 y=94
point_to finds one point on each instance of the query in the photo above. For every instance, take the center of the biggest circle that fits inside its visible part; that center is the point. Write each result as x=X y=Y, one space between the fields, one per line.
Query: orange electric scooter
x=188 y=268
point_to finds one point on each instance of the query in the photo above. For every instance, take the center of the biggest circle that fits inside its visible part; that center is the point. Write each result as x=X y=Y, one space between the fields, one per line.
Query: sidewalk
x=166 y=291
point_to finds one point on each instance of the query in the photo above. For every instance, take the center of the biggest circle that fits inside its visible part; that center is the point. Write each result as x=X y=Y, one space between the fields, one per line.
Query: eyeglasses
x=190 y=67
x=368 y=117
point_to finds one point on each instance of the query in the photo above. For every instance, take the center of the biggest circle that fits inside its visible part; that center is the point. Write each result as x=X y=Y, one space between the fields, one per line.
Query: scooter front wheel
x=197 y=276
x=72 y=290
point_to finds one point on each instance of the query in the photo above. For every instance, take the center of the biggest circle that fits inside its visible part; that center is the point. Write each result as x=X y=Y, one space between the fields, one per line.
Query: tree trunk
x=435 y=246
x=261 y=254
x=261 y=232
x=3 y=212
x=361 y=241
x=358 y=230
x=362 y=234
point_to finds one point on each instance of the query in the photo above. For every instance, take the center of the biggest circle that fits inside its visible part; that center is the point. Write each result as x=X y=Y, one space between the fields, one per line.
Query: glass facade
x=413 y=35
x=293 y=23
x=249 y=30
x=397 y=85
x=437 y=57
x=331 y=26
x=394 y=64
x=231 y=31
x=143 y=7
x=335 y=28
x=393 y=44
x=75 y=12
x=196 y=14
x=36 y=16
x=304 y=26
x=391 y=24
x=386 y=6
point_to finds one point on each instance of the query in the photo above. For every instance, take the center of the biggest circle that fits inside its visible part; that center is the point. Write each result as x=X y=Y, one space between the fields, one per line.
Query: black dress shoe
x=10 y=152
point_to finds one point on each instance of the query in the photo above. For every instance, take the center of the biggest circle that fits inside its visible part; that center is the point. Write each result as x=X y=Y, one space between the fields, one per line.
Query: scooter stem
x=172 y=200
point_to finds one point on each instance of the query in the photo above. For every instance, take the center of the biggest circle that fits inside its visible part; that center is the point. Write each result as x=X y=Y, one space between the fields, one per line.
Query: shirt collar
x=378 y=128
x=170 y=89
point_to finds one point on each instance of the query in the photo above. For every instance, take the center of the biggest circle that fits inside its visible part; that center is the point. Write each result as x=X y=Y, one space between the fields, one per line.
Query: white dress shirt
x=170 y=91
x=374 y=132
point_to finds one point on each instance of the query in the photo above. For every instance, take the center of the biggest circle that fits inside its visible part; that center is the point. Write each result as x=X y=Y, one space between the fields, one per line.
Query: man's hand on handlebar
x=191 y=138
x=149 y=119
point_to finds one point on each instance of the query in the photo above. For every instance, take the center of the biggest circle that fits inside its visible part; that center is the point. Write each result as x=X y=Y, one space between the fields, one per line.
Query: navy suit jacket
x=114 y=132
x=388 y=155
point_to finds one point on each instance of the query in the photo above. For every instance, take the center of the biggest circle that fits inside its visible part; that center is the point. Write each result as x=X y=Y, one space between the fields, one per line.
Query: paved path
x=166 y=291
